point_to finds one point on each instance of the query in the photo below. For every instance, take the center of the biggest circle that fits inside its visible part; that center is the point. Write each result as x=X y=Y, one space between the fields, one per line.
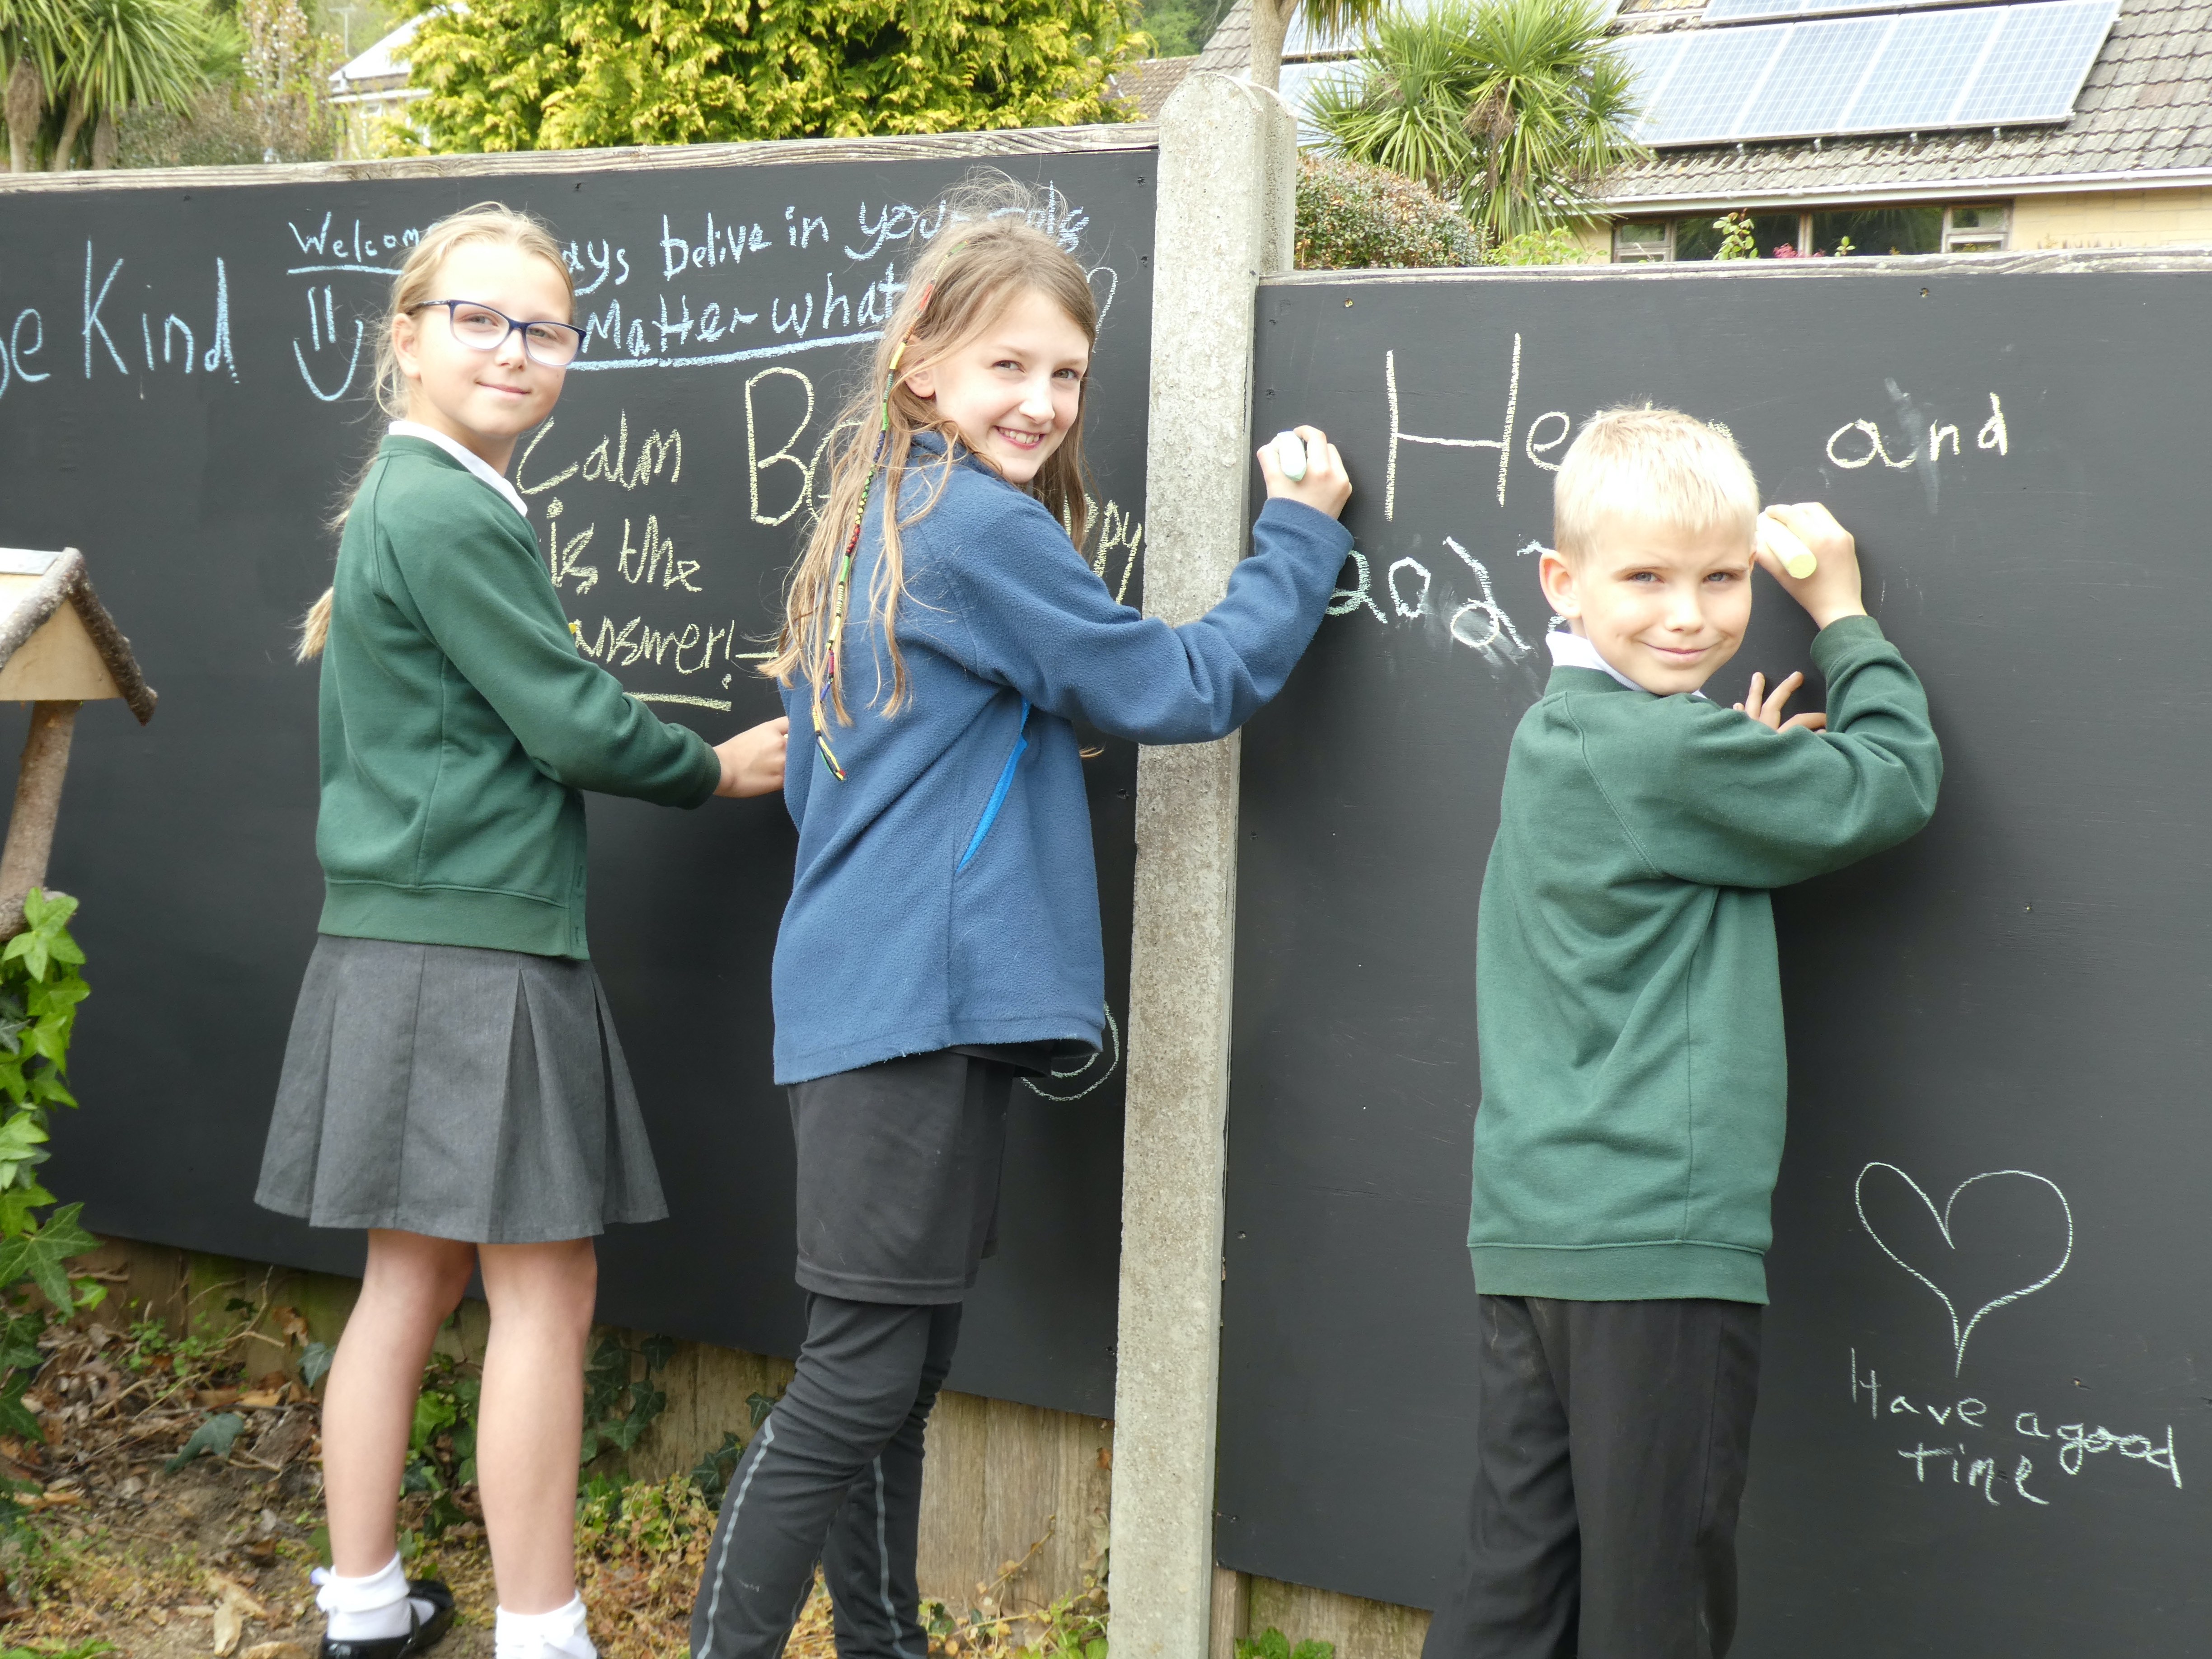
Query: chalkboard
x=182 y=397
x=1994 y=1441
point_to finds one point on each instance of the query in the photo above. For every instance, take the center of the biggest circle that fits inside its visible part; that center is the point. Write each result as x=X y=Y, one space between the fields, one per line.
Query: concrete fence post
x=1227 y=177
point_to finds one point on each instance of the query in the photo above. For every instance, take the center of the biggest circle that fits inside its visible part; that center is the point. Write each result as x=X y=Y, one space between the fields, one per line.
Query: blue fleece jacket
x=945 y=893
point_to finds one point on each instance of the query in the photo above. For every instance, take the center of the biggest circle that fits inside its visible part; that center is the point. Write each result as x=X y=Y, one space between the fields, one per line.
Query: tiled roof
x=383 y=66
x=1229 y=49
x=2145 y=110
x=2144 y=118
x=1147 y=83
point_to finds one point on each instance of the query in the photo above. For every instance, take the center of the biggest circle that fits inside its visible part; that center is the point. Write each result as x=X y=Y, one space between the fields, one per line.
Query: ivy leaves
x=215 y=1436
x=39 y=1254
x=46 y=941
x=39 y=990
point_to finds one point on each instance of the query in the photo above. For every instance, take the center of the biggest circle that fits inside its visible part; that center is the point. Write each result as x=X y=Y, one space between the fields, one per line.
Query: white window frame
x=1983 y=238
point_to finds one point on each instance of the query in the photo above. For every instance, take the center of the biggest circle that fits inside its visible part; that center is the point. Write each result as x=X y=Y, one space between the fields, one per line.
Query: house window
x=1879 y=231
x=1977 y=227
x=1872 y=232
x=1700 y=237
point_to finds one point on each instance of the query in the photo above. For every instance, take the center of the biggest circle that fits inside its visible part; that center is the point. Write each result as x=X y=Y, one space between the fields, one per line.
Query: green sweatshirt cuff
x=709 y=774
x=1844 y=639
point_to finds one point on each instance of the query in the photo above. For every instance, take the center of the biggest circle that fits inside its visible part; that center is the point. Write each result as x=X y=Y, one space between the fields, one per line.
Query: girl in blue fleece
x=943 y=936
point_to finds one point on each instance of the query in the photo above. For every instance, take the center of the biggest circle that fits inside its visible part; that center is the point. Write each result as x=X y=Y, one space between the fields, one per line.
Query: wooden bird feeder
x=59 y=648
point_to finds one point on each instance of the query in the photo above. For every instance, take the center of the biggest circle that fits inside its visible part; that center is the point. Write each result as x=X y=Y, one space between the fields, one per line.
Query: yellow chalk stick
x=1785 y=545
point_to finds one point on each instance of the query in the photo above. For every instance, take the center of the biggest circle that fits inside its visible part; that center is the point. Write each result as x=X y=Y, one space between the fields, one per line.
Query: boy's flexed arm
x=1743 y=798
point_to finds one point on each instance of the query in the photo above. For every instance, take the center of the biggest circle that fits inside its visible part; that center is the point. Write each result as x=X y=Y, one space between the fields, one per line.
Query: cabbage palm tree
x=31 y=34
x=1271 y=26
x=121 y=53
x=1519 y=108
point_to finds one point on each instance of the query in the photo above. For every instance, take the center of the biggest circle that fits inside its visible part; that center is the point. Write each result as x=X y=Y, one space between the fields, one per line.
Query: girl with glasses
x=453 y=1084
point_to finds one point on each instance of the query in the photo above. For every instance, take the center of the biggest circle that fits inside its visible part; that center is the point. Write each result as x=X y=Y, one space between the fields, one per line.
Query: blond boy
x=1630 y=1012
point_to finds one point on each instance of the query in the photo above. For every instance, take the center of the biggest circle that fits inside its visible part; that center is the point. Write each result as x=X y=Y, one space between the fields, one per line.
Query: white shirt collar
x=1571 y=650
x=475 y=463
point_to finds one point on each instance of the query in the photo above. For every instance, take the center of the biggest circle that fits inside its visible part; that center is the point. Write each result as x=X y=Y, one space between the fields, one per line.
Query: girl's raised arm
x=1034 y=615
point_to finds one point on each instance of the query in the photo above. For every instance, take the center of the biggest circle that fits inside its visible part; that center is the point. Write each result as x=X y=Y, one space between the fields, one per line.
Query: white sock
x=367 y=1609
x=559 y=1634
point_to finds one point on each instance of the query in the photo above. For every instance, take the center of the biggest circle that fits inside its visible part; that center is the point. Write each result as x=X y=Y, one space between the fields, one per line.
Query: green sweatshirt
x=459 y=721
x=1629 y=999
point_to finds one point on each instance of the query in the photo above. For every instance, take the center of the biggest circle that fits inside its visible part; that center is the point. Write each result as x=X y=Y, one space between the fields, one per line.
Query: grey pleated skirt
x=462 y=1093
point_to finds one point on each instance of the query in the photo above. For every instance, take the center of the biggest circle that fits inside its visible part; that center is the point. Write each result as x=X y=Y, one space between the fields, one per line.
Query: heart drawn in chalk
x=2000 y=1235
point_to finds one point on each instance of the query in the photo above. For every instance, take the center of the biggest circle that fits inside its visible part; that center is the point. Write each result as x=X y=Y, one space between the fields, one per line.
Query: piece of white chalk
x=1291 y=456
x=1785 y=544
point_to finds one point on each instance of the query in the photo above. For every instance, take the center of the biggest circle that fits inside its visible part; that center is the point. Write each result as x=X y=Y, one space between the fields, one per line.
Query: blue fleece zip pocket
x=999 y=790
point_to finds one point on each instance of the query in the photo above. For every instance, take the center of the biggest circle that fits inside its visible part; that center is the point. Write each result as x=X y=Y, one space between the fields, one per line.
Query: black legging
x=834 y=1476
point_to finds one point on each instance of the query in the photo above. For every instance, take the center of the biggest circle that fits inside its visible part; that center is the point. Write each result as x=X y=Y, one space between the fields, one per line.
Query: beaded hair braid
x=844 y=583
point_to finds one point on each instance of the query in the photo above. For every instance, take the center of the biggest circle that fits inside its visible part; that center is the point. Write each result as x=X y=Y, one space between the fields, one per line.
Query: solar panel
x=1985 y=65
x=1650 y=59
x=1720 y=11
x=1814 y=76
x=1924 y=69
x=2035 y=66
x=1700 y=101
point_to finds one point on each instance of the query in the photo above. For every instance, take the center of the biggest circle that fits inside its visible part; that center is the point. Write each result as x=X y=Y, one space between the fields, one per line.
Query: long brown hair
x=987 y=251
x=486 y=221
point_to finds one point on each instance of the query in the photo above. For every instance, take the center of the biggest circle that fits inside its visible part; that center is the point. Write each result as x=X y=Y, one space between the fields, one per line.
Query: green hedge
x=1351 y=216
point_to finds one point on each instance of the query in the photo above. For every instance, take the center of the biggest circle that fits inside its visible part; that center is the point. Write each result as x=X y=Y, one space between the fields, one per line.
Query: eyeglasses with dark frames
x=482 y=328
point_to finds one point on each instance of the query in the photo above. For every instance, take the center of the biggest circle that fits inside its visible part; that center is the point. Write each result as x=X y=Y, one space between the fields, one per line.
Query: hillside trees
x=515 y=75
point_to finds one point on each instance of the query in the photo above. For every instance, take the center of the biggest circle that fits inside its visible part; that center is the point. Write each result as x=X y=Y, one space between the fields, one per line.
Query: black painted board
x=2001 y=1020
x=667 y=491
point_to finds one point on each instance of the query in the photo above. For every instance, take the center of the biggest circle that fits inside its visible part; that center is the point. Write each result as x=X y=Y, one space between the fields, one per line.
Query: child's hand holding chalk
x=1799 y=560
x=1802 y=547
x=1302 y=465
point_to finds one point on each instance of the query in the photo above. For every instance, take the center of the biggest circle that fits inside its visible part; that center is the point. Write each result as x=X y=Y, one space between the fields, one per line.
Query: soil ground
x=115 y=1553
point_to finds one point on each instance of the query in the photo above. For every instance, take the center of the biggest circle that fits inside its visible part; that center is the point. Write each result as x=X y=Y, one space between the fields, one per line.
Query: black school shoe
x=426 y=1635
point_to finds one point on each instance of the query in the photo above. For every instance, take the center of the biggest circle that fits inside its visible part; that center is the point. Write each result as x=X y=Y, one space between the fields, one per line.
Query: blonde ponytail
x=314 y=629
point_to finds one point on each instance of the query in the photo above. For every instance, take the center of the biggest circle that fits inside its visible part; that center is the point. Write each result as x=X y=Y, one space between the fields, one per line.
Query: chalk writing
x=1087 y=1074
x=659 y=584
x=1475 y=618
x=16 y=351
x=2061 y=1242
x=1503 y=443
x=95 y=328
x=1498 y=639
x=1116 y=531
x=322 y=329
x=1860 y=443
x=1995 y=1459
x=709 y=300
x=1346 y=600
x=802 y=488
x=375 y=251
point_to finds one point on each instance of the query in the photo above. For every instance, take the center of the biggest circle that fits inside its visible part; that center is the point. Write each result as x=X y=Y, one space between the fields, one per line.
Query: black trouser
x=1611 y=1444
x=839 y=1459
x=898 y=1192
